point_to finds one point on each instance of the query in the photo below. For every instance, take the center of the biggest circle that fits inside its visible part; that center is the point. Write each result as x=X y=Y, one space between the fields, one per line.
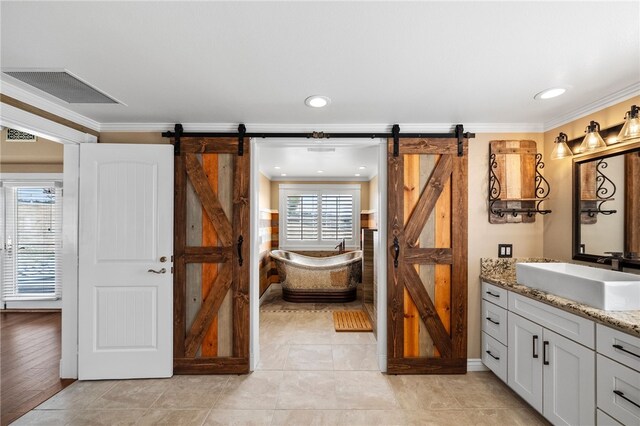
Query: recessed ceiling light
x=550 y=93
x=362 y=167
x=317 y=101
x=320 y=171
x=283 y=174
x=357 y=174
x=277 y=167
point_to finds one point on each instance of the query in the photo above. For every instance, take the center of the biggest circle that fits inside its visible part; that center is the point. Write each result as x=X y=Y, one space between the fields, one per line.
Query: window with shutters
x=318 y=217
x=31 y=241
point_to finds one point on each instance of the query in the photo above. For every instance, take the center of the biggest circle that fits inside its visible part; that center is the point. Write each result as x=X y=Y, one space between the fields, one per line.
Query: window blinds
x=32 y=241
x=302 y=217
x=337 y=217
x=319 y=217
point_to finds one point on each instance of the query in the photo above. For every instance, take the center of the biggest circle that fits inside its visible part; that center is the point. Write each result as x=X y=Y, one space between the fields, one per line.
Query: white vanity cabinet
x=555 y=375
x=524 y=362
x=551 y=360
x=570 y=369
x=618 y=380
x=494 y=329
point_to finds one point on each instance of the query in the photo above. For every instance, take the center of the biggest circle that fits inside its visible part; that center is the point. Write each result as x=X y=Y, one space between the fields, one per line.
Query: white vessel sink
x=599 y=288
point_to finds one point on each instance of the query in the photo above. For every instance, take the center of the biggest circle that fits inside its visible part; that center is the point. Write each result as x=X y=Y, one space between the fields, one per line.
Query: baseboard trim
x=265 y=294
x=475 y=364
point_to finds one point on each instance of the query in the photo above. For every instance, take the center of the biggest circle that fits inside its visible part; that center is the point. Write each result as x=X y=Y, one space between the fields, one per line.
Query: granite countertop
x=502 y=272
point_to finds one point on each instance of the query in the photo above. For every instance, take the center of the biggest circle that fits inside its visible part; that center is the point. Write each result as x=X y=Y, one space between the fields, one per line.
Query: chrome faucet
x=341 y=246
x=617 y=259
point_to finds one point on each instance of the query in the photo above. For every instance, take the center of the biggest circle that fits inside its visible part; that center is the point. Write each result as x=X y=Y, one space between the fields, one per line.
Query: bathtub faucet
x=341 y=246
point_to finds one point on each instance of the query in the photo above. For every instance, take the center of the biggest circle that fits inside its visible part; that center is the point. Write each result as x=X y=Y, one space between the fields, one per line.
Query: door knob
x=161 y=271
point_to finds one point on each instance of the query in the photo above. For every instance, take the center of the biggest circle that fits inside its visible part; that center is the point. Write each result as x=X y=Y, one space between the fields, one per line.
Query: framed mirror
x=606 y=204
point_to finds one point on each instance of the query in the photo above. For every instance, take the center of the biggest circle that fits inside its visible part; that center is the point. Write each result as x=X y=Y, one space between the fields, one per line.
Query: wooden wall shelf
x=517 y=189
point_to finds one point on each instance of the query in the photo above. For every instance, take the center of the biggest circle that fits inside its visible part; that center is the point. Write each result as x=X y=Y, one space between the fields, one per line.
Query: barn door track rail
x=458 y=133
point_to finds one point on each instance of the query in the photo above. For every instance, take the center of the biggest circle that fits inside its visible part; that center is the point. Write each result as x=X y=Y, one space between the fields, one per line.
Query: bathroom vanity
x=573 y=363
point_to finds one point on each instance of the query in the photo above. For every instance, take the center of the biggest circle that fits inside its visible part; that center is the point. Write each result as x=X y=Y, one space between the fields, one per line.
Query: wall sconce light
x=631 y=128
x=561 y=149
x=592 y=140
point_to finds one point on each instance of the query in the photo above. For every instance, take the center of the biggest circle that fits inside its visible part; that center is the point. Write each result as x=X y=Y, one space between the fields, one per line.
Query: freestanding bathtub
x=318 y=279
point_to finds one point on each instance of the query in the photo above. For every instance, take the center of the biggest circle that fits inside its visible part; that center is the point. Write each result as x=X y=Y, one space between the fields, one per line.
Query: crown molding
x=327 y=128
x=602 y=103
x=25 y=121
x=318 y=179
x=16 y=92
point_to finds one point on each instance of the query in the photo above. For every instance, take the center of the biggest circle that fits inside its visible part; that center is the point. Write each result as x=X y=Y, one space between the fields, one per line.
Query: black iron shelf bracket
x=605 y=191
x=542 y=191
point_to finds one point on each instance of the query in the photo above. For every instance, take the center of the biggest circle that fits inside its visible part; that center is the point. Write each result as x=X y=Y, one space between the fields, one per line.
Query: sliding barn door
x=211 y=280
x=427 y=260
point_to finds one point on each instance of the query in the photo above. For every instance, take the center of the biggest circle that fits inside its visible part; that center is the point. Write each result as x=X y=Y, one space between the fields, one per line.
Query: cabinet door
x=569 y=381
x=525 y=360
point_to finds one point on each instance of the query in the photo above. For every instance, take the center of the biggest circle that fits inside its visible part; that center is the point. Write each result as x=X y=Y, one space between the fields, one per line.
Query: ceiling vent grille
x=14 y=135
x=321 y=149
x=63 y=85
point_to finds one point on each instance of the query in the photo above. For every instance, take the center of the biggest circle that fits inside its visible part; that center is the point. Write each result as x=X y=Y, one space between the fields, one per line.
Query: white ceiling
x=379 y=62
x=293 y=158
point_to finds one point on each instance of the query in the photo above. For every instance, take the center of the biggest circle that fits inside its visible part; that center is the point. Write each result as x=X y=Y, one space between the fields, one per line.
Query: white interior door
x=125 y=290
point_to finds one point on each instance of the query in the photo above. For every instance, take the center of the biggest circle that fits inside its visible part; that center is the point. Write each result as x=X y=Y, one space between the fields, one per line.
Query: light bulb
x=592 y=140
x=631 y=127
x=561 y=149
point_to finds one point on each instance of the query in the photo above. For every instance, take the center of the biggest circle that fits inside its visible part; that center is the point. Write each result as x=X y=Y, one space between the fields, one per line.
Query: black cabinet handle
x=545 y=347
x=396 y=251
x=497 y=358
x=621 y=348
x=534 y=348
x=493 y=294
x=492 y=321
x=240 y=241
x=621 y=395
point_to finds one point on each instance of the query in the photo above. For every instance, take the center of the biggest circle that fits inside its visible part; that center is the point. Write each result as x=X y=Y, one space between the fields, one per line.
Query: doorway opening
x=31 y=265
x=316 y=213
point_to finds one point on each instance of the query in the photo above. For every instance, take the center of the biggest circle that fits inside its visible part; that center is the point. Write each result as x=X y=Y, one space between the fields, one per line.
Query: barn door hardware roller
x=460 y=137
x=242 y=133
x=395 y=133
x=242 y=130
x=177 y=132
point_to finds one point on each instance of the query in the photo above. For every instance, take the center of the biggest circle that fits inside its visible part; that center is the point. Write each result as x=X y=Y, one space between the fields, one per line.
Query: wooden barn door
x=211 y=277
x=427 y=266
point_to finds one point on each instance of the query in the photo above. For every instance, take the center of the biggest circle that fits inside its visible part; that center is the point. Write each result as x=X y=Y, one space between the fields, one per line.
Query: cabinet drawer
x=494 y=294
x=618 y=391
x=603 y=419
x=568 y=325
x=494 y=356
x=494 y=321
x=619 y=346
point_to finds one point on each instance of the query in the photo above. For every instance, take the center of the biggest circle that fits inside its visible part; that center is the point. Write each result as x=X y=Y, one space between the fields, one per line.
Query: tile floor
x=308 y=375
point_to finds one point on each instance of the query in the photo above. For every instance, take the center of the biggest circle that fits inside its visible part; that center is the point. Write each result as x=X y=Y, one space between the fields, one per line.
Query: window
x=319 y=216
x=31 y=241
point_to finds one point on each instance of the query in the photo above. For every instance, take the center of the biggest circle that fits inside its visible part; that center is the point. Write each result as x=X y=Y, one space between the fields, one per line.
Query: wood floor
x=30 y=361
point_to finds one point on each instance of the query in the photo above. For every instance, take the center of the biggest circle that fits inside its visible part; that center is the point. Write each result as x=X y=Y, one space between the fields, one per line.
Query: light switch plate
x=505 y=250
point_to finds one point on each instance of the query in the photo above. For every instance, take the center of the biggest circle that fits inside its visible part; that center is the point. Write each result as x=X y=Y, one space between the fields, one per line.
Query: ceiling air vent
x=14 y=135
x=63 y=85
x=321 y=149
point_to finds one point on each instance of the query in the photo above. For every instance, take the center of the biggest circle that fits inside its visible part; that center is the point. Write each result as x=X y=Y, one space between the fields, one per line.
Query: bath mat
x=351 y=321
